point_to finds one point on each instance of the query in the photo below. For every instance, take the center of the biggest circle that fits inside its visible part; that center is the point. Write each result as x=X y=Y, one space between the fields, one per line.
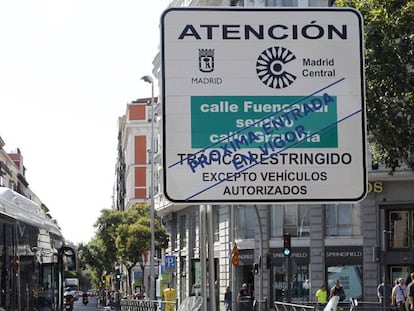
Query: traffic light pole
x=261 y=259
x=288 y=278
x=287 y=251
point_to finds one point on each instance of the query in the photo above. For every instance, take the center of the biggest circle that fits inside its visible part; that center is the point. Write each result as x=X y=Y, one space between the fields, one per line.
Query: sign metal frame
x=263 y=105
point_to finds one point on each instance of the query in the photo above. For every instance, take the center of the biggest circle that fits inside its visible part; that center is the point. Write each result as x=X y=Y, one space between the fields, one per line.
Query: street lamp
x=149 y=79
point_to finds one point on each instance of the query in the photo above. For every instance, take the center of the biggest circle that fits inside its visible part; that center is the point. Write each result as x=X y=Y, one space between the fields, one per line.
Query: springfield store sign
x=263 y=105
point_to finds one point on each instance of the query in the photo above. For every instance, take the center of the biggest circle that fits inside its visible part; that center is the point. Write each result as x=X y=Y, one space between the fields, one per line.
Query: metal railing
x=139 y=305
x=285 y=306
x=369 y=306
x=260 y=305
x=352 y=305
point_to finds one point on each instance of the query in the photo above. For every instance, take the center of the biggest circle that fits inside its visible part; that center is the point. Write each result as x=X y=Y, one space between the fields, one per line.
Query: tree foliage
x=133 y=240
x=92 y=255
x=107 y=226
x=123 y=238
x=389 y=58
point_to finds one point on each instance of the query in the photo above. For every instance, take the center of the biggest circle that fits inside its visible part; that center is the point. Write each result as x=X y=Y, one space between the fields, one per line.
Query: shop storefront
x=297 y=266
x=344 y=263
x=244 y=271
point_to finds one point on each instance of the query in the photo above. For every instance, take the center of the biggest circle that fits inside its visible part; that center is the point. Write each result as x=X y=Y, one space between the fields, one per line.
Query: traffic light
x=117 y=276
x=255 y=268
x=286 y=244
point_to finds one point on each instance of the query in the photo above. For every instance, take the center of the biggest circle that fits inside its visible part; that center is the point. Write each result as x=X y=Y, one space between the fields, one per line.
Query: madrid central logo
x=270 y=67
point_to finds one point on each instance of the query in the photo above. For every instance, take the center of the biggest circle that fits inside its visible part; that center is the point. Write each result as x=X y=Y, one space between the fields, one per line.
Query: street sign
x=170 y=263
x=263 y=105
x=235 y=260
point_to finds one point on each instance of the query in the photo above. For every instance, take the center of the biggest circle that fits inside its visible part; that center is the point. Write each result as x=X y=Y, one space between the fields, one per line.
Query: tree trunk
x=129 y=285
x=129 y=281
x=143 y=276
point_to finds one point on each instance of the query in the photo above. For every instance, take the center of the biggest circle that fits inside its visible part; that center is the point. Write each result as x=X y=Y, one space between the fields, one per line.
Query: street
x=92 y=305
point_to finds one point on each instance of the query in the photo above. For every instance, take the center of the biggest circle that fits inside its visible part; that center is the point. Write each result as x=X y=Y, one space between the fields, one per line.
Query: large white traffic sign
x=263 y=105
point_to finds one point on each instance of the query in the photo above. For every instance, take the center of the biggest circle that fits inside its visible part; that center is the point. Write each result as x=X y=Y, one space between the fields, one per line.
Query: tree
x=134 y=237
x=93 y=257
x=107 y=226
x=124 y=238
x=100 y=254
x=389 y=58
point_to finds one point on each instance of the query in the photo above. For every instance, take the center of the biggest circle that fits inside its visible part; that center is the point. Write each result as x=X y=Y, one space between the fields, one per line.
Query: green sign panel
x=283 y=121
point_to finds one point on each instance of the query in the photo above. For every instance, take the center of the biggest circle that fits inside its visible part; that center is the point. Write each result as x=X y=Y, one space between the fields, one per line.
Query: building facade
x=135 y=155
x=13 y=173
x=133 y=167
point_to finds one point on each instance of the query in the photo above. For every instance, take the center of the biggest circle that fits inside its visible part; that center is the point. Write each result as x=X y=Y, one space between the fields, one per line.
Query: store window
x=293 y=219
x=246 y=222
x=196 y=277
x=350 y=277
x=299 y=283
x=342 y=220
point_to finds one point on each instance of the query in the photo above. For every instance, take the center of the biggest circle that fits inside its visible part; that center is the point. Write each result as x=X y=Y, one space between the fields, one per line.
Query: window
x=400 y=272
x=183 y=231
x=245 y=222
x=281 y=2
x=303 y=218
x=401 y=226
x=342 y=220
x=299 y=283
x=174 y=232
x=216 y=223
x=276 y=221
x=350 y=277
x=293 y=219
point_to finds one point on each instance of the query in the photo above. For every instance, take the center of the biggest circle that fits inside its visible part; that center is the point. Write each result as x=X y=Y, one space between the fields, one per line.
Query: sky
x=68 y=68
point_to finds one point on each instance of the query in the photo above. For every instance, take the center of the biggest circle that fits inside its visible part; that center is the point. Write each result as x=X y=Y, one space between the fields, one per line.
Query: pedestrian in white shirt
x=399 y=295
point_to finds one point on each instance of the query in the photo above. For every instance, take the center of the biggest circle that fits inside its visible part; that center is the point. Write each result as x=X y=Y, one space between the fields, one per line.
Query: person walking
x=399 y=295
x=384 y=288
x=380 y=292
x=243 y=298
x=410 y=293
x=337 y=290
x=243 y=292
x=228 y=299
x=321 y=296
